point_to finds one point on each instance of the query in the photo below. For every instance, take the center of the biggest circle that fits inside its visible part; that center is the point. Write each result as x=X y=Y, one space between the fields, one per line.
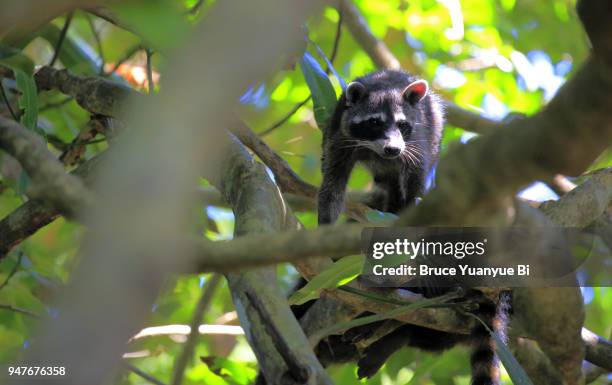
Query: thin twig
x=125 y=58
x=201 y=308
x=332 y=57
x=8 y=103
x=150 y=84
x=76 y=149
x=196 y=7
x=19 y=310
x=141 y=374
x=285 y=118
x=13 y=271
x=62 y=37
x=88 y=142
x=96 y=36
x=336 y=45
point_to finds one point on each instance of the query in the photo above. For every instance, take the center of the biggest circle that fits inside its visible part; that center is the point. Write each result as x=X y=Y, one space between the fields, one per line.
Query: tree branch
x=289 y=246
x=584 y=203
x=13 y=271
x=50 y=183
x=94 y=94
x=377 y=50
x=537 y=159
x=524 y=150
x=185 y=330
x=28 y=218
x=382 y=56
x=60 y=40
x=19 y=310
x=202 y=306
x=285 y=177
x=298 y=203
x=537 y=365
x=135 y=234
x=560 y=184
x=598 y=349
x=258 y=207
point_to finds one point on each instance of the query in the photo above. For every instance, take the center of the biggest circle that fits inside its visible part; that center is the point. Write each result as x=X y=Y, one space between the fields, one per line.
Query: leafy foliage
x=323 y=94
x=339 y=273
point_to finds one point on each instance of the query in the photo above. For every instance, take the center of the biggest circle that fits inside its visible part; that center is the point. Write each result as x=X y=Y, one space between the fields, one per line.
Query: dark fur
x=399 y=181
x=484 y=363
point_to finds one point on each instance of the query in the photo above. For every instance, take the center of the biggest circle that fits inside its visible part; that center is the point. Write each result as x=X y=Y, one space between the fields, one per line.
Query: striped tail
x=485 y=365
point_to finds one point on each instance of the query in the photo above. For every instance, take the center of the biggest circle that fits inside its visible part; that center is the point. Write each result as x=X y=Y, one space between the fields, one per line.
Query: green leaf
x=514 y=369
x=330 y=66
x=28 y=101
x=321 y=88
x=340 y=273
x=23 y=68
x=15 y=59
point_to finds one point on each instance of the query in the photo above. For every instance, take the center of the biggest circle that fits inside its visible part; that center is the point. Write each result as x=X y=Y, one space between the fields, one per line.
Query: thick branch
x=285 y=177
x=582 y=204
x=273 y=332
x=95 y=94
x=28 y=218
x=594 y=16
x=289 y=246
x=598 y=349
x=50 y=183
x=19 y=18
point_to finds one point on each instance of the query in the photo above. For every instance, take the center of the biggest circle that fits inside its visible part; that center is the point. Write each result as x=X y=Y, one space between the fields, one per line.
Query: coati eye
x=375 y=121
x=404 y=125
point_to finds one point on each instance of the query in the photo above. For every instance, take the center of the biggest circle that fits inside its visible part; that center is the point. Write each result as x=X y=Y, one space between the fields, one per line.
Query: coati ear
x=355 y=91
x=416 y=91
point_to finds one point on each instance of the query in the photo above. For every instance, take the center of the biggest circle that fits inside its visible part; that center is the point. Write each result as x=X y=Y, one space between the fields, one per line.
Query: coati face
x=382 y=114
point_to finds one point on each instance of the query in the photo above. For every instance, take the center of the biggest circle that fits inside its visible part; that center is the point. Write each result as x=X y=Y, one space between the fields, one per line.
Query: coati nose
x=392 y=151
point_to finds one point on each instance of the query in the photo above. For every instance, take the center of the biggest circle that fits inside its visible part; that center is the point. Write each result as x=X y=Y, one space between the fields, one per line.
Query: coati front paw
x=371 y=361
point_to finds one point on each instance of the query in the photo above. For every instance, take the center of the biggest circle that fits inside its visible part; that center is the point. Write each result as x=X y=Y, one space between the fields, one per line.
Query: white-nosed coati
x=392 y=123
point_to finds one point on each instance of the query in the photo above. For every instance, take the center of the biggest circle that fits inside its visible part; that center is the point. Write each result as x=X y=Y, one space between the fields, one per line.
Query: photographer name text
x=460 y=270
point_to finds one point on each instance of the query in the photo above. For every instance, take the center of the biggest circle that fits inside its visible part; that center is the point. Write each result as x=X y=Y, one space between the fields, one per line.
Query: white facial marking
x=359 y=119
x=399 y=116
x=396 y=141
